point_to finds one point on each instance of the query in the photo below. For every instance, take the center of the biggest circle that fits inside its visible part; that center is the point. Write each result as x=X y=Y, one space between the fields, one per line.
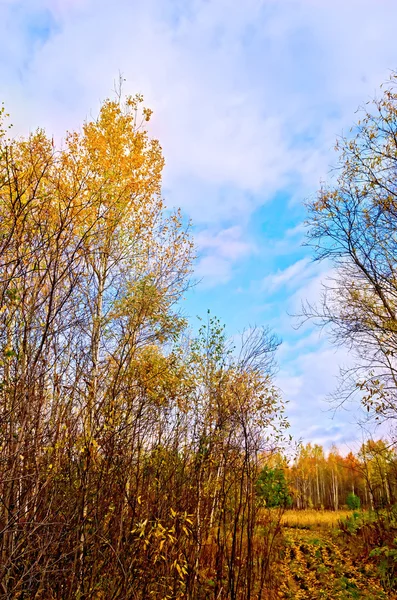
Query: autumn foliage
x=128 y=448
x=331 y=481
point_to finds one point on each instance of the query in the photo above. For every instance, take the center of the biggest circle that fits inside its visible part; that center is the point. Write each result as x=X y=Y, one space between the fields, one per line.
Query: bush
x=353 y=501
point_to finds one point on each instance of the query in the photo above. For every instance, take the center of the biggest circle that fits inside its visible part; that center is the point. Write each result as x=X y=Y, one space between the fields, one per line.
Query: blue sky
x=248 y=98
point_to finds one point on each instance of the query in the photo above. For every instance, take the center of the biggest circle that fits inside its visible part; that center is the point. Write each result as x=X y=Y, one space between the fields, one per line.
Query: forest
x=143 y=459
x=315 y=479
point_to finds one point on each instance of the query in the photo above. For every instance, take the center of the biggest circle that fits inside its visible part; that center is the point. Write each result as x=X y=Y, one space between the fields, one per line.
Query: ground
x=318 y=564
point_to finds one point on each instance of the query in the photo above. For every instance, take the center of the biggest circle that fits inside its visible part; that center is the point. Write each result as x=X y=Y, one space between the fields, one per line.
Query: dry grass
x=308 y=519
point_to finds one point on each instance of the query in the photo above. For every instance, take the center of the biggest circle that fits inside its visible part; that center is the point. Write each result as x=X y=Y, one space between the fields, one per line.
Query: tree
x=352 y=223
x=91 y=270
x=353 y=501
x=129 y=453
x=377 y=459
x=272 y=488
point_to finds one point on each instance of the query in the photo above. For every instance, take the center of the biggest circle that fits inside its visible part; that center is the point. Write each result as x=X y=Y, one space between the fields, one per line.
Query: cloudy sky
x=248 y=99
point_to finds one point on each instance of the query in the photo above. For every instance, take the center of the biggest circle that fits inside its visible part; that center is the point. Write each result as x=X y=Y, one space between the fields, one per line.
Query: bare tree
x=352 y=224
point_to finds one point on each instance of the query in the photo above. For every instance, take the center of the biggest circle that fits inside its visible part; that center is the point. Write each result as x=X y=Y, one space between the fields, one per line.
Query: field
x=320 y=562
x=309 y=519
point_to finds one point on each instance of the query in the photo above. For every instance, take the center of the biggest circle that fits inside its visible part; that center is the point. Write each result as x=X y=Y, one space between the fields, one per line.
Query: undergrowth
x=372 y=537
x=341 y=555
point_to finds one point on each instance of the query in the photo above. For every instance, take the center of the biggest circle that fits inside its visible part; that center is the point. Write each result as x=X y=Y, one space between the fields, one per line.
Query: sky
x=248 y=98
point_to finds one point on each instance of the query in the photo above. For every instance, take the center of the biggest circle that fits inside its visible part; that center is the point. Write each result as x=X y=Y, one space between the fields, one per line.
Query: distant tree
x=377 y=459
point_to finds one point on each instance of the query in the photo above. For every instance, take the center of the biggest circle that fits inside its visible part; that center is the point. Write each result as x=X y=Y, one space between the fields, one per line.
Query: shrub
x=353 y=501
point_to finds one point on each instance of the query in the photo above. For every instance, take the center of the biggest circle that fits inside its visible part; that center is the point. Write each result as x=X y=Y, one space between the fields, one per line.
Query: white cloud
x=228 y=243
x=248 y=96
x=290 y=276
x=218 y=251
x=308 y=379
x=213 y=270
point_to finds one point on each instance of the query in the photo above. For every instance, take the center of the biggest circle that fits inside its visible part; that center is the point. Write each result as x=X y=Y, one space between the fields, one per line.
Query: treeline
x=128 y=447
x=318 y=480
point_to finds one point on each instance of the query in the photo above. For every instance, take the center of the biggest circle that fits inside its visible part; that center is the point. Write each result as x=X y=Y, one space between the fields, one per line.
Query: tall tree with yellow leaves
x=91 y=268
x=129 y=454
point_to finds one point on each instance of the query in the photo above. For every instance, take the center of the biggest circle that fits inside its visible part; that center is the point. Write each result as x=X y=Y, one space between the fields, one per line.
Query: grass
x=314 y=519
